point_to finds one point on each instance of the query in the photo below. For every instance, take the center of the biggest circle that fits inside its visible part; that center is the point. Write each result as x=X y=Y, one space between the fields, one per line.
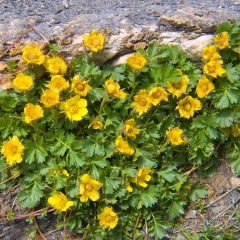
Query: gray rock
x=126 y=24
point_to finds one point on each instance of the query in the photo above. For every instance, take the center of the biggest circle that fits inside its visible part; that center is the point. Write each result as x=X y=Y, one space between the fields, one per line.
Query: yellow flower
x=204 y=87
x=80 y=86
x=58 y=83
x=179 y=88
x=222 y=40
x=22 y=82
x=156 y=95
x=59 y=171
x=214 y=68
x=175 y=136
x=12 y=150
x=95 y=41
x=137 y=61
x=235 y=130
x=75 y=108
x=113 y=89
x=89 y=188
x=108 y=218
x=123 y=146
x=143 y=176
x=130 y=128
x=32 y=112
x=210 y=53
x=141 y=102
x=188 y=106
x=96 y=124
x=55 y=65
x=64 y=172
x=49 y=98
x=60 y=202
x=32 y=54
x=128 y=186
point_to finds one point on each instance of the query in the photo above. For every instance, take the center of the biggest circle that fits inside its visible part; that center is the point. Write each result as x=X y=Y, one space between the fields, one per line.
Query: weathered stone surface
x=127 y=25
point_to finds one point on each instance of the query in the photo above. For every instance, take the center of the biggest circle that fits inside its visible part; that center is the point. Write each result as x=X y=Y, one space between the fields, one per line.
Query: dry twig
x=222 y=196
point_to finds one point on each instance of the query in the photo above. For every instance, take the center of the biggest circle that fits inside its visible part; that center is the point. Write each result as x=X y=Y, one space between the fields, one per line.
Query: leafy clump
x=113 y=146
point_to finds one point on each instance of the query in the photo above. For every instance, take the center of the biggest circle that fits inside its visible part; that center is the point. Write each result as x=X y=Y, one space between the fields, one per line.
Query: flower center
x=14 y=149
x=95 y=42
x=130 y=130
x=88 y=187
x=73 y=109
x=32 y=55
x=187 y=106
x=204 y=87
x=109 y=218
x=137 y=62
x=177 y=85
x=156 y=94
x=80 y=86
x=142 y=102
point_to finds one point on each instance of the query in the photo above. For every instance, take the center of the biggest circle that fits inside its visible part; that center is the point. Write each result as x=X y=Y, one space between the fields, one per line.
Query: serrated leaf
x=111 y=184
x=35 y=152
x=197 y=192
x=232 y=73
x=76 y=158
x=235 y=165
x=169 y=174
x=148 y=197
x=225 y=118
x=30 y=196
x=176 y=209
x=222 y=102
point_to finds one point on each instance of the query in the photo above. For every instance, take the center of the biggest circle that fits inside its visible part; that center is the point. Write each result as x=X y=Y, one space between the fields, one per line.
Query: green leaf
x=54 y=48
x=169 y=174
x=164 y=73
x=222 y=102
x=159 y=231
x=31 y=195
x=176 y=208
x=235 y=165
x=111 y=184
x=102 y=163
x=224 y=27
x=76 y=158
x=225 y=118
x=149 y=196
x=96 y=94
x=35 y=151
x=232 y=73
x=197 y=192
x=8 y=101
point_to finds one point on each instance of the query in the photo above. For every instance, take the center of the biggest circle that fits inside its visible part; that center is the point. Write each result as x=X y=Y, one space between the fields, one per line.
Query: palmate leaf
x=169 y=174
x=197 y=192
x=8 y=101
x=76 y=158
x=232 y=73
x=31 y=195
x=225 y=118
x=35 y=151
x=176 y=208
x=111 y=184
x=164 y=73
x=225 y=97
x=235 y=165
x=148 y=196
x=233 y=154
